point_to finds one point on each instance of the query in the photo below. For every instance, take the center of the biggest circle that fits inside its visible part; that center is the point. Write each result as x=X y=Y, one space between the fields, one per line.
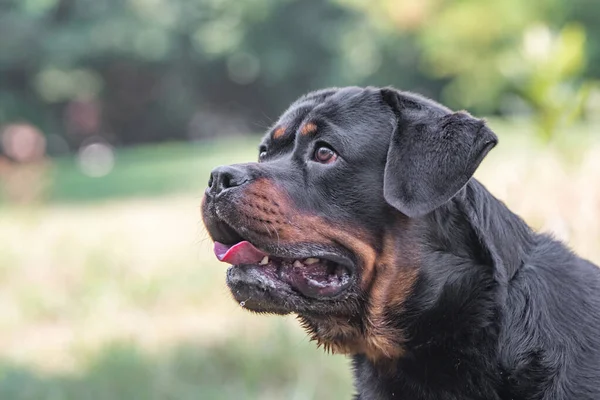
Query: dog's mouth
x=318 y=275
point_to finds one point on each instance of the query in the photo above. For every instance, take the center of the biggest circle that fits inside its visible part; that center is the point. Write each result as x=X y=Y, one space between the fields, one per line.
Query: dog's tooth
x=311 y=260
x=298 y=264
x=265 y=260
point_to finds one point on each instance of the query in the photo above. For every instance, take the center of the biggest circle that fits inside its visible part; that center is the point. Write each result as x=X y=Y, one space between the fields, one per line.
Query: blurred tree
x=587 y=14
x=176 y=69
x=140 y=70
x=487 y=51
x=545 y=73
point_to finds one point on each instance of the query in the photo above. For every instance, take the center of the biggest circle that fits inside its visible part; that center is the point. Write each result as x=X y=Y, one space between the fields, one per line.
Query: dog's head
x=323 y=224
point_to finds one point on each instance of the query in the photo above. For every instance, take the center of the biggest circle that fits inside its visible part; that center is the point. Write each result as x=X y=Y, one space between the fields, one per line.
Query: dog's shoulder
x=550 y=331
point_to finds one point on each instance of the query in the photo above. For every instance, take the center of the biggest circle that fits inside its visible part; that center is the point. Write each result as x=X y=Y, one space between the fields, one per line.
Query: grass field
x=109 y=290
x=150 y=170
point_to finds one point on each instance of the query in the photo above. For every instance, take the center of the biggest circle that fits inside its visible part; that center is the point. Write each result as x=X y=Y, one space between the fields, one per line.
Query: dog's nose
x=226 y=177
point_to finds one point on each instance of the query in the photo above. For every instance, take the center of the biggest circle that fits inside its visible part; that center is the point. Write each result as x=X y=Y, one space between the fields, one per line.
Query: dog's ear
x=432 y=154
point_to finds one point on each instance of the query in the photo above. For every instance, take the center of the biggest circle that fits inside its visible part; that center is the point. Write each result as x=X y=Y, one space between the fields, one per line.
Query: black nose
x=226 y=177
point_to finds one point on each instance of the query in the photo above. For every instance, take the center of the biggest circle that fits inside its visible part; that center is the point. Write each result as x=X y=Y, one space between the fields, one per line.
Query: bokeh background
x=113 y=112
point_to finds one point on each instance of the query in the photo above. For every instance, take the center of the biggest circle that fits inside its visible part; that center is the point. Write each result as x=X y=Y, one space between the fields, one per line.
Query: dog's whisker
x=243 y=302
x=267 y=228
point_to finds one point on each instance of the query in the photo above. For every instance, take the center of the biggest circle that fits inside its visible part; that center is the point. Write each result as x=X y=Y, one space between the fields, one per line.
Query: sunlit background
x=113 y=112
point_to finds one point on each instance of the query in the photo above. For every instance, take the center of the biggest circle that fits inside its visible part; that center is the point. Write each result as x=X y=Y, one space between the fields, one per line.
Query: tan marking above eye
x=308 y=128
x=279 y=132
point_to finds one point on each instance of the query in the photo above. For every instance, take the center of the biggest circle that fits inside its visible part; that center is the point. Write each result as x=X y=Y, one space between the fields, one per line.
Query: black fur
x=497 y=311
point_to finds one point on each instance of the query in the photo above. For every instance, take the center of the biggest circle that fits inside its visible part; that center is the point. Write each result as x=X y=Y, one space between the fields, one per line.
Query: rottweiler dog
x=362 y=217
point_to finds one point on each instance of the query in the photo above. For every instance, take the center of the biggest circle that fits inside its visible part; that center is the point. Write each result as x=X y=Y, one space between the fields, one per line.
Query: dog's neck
x=474 y=236
x=503 y=235
x=452 y=298
x=474 y=230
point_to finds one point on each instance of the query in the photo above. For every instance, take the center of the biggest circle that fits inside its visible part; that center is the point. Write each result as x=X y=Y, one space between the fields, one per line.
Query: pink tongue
x=240 y=253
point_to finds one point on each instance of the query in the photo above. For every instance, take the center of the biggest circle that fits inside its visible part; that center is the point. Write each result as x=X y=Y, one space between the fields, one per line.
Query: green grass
x=150 y=170
x=276 y=367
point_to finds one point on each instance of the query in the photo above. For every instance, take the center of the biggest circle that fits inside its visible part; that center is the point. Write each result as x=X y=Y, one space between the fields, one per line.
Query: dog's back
x=549 y=345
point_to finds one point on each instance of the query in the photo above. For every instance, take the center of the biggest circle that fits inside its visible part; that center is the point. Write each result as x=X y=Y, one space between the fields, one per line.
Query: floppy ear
x=432 y=153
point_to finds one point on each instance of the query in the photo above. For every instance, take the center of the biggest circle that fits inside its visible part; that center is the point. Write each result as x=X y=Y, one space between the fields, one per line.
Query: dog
x=362 y=217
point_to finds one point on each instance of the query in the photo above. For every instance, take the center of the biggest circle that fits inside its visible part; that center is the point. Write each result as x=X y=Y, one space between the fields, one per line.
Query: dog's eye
x=324 y=155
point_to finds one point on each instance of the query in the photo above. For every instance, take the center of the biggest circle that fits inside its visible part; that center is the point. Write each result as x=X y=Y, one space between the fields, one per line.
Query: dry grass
x=76 y=277
x=552 y=194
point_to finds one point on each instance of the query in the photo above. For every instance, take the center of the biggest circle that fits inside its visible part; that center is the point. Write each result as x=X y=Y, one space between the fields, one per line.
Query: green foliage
x=180 y=69
x=489 y=52
x=546 y=74
x=468 y=41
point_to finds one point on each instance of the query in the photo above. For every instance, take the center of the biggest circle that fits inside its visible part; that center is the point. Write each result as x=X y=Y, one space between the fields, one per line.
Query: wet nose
x=226 y=177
